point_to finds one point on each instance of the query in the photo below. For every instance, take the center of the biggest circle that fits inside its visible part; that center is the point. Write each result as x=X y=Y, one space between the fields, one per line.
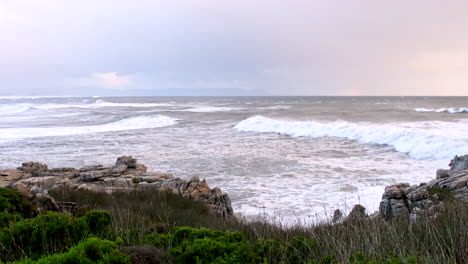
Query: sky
x=234 y=47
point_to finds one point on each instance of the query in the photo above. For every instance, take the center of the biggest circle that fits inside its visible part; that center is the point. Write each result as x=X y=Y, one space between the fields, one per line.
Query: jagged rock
x=127 y=174
x=459 y=163
x=402 y=200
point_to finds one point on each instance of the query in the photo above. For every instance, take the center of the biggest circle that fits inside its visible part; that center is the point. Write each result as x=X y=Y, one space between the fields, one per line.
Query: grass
x=137 y=214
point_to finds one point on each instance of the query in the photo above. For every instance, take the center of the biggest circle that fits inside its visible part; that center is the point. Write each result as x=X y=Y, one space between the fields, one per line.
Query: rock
x=126 y=175
x=402 y=200
x=337 y=216
x=94 y=175
x=117 y=170
x=441 y=173
x=195 y=179
x=357 y=212
x=33 y=167
x=40 y=182
x=25 y=191
x=459 y=163
x=128 y=161
x=7 y=177
x=393 y=192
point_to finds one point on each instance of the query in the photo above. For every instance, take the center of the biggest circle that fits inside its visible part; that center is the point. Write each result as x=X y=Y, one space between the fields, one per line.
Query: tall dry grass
x=441 y=239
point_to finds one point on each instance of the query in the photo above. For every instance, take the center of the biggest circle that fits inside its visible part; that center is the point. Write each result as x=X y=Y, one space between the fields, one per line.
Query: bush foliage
x=92 y=250
x=49 y=233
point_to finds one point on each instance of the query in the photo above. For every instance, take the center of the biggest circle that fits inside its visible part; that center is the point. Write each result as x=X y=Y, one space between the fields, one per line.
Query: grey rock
x=402 y=200
x=441 y=173
x=128 y=161
x=459 y=163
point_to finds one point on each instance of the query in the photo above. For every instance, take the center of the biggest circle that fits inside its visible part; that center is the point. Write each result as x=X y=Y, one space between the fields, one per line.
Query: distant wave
x=15 y=109
x=420 y=140
x=209 y=109
x=451 y=110
x=85 y=105
x=121 y=125
x=275 y=107
x=102 y=103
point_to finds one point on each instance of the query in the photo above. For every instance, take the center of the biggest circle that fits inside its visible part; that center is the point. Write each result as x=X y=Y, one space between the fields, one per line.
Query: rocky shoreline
x=34 y=180
x=414 y=201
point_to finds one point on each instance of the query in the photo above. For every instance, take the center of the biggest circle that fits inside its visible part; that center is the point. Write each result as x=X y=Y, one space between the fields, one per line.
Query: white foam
x=420 y=140
x=139 y=122
x=14 y=109
x=209 y=109
x=94 y=105
x=276 y=107
x=451 y=110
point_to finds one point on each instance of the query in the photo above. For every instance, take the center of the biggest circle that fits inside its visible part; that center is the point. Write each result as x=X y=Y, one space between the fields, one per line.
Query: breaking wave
x=15 y=109
x=451 y=110
x=121 y=125
x=420 y=140
x=209 y=109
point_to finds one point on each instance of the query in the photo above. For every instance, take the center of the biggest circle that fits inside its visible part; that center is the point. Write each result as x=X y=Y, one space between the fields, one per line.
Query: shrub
x=189 y=245
x=12 y=202
x=92 y=250
x=97 y=222
x=50 y=233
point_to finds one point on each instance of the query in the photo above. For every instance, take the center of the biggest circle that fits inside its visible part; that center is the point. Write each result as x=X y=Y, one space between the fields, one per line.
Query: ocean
x=281 y=157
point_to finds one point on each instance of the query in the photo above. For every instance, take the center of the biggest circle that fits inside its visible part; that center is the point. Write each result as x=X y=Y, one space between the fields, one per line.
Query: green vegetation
x=92 y=250
x=50 y=233
x=148 y=224
x=13 y=207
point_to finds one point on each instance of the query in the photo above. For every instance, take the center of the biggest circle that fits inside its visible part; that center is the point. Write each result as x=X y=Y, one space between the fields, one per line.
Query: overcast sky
x=294 y=47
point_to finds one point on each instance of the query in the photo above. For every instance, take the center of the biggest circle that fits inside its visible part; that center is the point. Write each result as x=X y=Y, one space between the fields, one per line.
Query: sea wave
x=209 y=109
x=420 y=140
x=84 y=105
x=451 y=110
x=132 y=123
x=15 y=109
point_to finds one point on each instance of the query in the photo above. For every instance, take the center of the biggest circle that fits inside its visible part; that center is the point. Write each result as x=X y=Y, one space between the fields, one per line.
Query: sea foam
x=451 y=110
x=14 y=109
x=132 y=123
x=420 y=140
